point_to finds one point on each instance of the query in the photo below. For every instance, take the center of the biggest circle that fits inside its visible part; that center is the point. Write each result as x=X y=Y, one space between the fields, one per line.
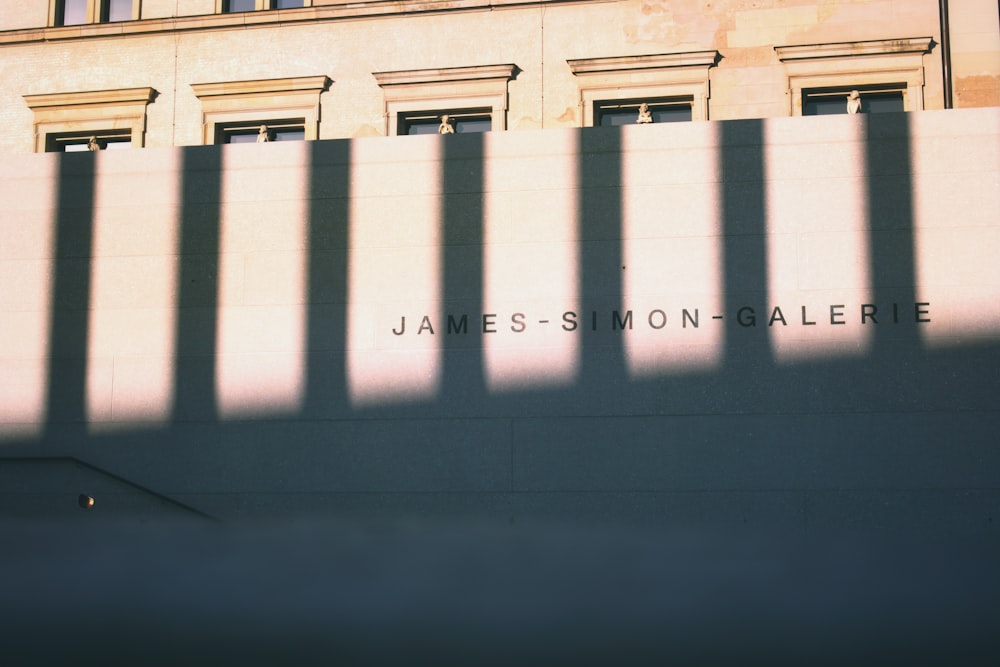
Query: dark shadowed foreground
x=436 y=593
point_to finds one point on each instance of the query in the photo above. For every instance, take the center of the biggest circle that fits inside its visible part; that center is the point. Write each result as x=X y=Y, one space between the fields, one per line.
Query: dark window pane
x=882 y=102
x=828 y=104
x=422 y=127
x=71 y=12
x=629 y=115
x=251 y=134
x=76 y=143
x=240 y=137
x=288 y=4
x=462 y=125
x=290 y=134
x=230 y=6
x=825 y=106
x=116 y=10
x=473 y=125
x=676 y=114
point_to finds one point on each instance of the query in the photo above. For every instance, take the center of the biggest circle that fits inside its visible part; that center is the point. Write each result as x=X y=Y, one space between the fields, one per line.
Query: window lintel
x=303 y=84
x=95 y=97
x=875 y=47
x=481 y=73
x=659 y=61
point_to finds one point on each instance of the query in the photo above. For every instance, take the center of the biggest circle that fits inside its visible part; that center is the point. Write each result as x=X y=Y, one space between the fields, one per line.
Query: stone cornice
x=446 y=75
x=263 y=18
x=645 y=62
x=88 y=98
x=875 y=47
x=303 y=84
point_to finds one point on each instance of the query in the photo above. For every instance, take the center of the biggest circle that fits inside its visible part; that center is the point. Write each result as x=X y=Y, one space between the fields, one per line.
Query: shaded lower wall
x=788 y=324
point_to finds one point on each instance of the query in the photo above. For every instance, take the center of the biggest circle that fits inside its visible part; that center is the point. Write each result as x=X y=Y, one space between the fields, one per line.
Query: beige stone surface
x=598 y=273
x=169 y=54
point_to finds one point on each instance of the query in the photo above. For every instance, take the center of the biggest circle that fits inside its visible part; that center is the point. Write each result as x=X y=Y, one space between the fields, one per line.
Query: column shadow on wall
x=611 y=443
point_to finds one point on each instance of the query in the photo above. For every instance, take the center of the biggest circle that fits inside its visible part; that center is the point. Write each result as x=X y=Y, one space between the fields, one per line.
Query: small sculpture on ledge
x=854 y=102
x=644 y=115
x=446 y=127
x=263 y=136
x=93 y=144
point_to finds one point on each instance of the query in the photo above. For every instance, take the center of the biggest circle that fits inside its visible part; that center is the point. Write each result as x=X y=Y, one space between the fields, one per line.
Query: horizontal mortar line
x=508 y=492
x=381 y=419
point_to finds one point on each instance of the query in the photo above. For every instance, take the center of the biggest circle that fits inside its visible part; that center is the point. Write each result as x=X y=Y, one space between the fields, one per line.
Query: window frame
x=259 y=5
x=603 y=107
x=94 y=112
x=839 y=92
x=433 y=117
x=407 y=93
x=56 y=142
x=654 y=76
x=93 y=12
x=223 y=130
x=890 y=63
x=261 y=101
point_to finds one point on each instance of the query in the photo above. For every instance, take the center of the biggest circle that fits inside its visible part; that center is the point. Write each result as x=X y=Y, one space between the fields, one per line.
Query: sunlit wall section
x=132 y=288
x=28 y=190
x=819 y=287
x=956 y=194
x=394 y=324
x=262 y=279
x=530 y=261
x=672 y=248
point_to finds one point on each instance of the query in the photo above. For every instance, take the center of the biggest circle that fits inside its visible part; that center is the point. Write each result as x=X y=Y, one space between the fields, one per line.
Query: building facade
x=713 y=310
x=158 y=73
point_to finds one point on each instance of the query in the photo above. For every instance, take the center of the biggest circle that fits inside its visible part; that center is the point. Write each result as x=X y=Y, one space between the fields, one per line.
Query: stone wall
x=786 y=323
x=349 y=42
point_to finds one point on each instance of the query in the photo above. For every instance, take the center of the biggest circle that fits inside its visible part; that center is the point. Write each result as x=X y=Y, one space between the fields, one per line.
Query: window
x=674 y=86
x=823 y=102
x=80 y=12
x=94 y=140
x=888 y=74
x=233 y=112
x=239 y=5
x=71 y=12
x=474 y=98
x=67 y=121
x=233 y=6
x=116 y=10
x=629 y=112
x=261 y=132
x=461 y=121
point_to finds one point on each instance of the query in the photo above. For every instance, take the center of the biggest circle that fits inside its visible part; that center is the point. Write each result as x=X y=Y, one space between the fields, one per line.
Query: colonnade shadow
x=672 y=413
x=609 y=445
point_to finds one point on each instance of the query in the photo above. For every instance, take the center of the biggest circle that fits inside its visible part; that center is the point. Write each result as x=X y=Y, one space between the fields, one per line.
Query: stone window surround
x=93 y=111
x=882 y=62
x=260 y=5
x=428 y=90
x=93 y=11
x=663 y=75
x=260 y=101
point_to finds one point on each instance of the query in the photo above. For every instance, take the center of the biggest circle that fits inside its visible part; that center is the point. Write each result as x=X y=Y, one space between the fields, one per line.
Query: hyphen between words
x=658 y=318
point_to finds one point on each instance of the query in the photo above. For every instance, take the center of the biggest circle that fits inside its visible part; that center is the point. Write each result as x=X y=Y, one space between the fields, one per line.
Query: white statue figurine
x=854 y=102
x=644 y=115
x=445 y=127
x=262 y=135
